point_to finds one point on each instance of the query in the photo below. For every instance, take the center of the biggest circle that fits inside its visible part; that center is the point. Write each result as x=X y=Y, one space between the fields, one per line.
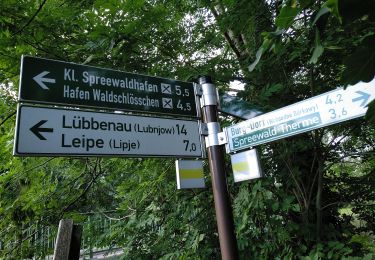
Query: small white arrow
x=40 y=80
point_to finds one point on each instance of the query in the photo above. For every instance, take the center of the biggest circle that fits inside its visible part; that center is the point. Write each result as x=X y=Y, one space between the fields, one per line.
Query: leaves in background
x=324 y=10
x=318 y=49
x=360 y=66
x=258 y=55
x=370 y=115
x=351 y=10
x=333 y=6
x=286 y=16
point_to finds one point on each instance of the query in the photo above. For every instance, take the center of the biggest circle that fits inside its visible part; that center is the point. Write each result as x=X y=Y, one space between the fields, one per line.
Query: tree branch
x=92 y=181
x=31 y=19
x=9 y=116
x=300 y=187
x=39 y=165
x=23 y=240
x=233 y=42
x=117 y=219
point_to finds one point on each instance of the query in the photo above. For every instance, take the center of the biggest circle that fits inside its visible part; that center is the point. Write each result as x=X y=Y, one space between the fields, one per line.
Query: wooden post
x=68 y=241
x=75 y=245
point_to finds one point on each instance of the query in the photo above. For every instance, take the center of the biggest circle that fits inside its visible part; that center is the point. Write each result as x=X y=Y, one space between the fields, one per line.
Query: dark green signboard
x=56 y=82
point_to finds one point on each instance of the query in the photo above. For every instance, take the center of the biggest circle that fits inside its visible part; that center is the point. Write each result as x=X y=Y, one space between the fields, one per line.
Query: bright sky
x=236 y=85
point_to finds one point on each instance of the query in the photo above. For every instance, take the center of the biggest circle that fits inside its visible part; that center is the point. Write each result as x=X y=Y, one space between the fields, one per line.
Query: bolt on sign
x=57 y=82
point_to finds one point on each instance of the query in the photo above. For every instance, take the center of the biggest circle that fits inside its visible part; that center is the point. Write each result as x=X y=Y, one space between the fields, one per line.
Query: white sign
x=63 y=132
x=326 y=109
x=246 y=166
x=189 y=174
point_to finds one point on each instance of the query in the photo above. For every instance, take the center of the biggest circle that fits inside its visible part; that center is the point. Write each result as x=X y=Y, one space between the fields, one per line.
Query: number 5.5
x=178 y=90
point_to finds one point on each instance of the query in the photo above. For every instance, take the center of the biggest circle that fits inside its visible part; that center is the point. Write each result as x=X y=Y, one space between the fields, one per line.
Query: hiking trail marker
x=326 y=109
x=57 y=82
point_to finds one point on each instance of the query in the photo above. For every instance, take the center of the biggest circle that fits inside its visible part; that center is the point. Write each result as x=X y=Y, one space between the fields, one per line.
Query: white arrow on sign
x=326 y=109
x=41 y=80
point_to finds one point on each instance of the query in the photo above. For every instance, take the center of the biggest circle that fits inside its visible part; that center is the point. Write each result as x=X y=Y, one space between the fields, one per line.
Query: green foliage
x=333 y=7
x=333 y=250
x=255 y=202
x=318 y=49
x=371 y=116
x=353 y=33
x=360 y=65
x=287 y=15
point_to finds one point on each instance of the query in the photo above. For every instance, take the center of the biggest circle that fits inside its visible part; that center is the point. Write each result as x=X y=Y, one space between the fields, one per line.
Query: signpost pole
x=68 y=241
x=216 y=158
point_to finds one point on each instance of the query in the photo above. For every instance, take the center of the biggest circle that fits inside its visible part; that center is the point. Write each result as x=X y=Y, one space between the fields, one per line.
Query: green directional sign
x=237 y=107
x=326 y=109
x=57 y=82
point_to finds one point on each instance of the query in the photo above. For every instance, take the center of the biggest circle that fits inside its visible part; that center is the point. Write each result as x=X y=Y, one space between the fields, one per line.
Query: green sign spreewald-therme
x=56 y=82
x=329 y=108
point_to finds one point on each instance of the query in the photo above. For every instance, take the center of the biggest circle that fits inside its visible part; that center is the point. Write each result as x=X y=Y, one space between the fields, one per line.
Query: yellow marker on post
x=189 y=174
x=246 y=166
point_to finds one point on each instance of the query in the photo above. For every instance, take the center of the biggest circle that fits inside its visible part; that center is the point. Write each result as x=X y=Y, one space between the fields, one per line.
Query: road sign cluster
x=62 y=131
x=53 y=82
x=72 y=132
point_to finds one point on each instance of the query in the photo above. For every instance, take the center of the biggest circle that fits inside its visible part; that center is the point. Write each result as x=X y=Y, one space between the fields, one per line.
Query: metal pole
x=216 y=158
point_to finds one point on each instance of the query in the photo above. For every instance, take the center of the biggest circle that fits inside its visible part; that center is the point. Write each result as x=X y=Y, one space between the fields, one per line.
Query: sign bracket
x=216 y=139
x=212 y=134
x=210 y=95
x=203 y=129
x=198 y=89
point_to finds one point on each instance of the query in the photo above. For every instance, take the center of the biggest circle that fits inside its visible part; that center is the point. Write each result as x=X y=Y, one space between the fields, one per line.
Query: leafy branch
x=9 y=116
x=32 y=18
x=96 y=173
